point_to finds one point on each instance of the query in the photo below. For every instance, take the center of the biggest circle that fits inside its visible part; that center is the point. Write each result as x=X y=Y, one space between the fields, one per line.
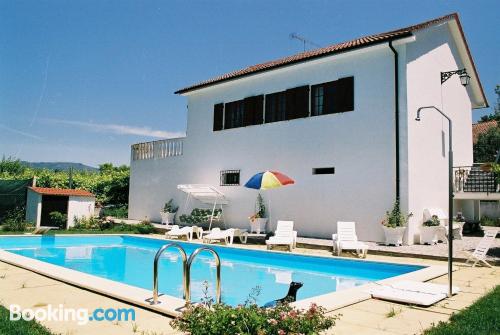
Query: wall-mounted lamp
x=464 y=77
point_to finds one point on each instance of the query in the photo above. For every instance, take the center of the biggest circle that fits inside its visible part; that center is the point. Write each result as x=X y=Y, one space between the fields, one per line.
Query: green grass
x=20 y=327
x=482 y=318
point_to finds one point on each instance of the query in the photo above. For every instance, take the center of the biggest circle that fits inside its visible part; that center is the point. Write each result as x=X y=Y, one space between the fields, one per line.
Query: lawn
x=20 y=327
x=482 y=318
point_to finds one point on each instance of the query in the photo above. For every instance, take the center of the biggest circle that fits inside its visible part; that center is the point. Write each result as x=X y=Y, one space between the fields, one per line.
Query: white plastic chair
x=228 y=235
x=284 y=235
x=346 y=239
x=479 y=254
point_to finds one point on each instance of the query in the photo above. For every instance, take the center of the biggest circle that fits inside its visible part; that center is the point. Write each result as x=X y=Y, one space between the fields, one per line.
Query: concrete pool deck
x=28 y=289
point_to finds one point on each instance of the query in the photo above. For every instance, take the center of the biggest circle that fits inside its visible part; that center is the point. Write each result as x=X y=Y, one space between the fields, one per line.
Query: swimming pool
x=129 y=260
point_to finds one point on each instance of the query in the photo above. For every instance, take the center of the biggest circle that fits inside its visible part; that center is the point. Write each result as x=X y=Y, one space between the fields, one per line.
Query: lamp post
x=450 y=193
x=464 y=80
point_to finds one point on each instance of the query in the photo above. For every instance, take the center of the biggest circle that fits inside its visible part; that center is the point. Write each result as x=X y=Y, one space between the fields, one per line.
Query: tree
x=487 y=146
x=12 y=166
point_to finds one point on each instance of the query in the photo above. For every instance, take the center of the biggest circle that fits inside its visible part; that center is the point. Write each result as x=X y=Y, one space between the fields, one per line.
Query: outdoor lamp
x=464 y=77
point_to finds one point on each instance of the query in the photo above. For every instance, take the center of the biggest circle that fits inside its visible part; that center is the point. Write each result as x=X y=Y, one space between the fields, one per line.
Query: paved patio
x=19 y=286
x=438 y=251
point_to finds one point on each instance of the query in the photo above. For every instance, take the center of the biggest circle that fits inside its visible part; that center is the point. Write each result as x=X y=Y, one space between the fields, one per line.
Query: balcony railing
x=476 y=178
x=158 y=149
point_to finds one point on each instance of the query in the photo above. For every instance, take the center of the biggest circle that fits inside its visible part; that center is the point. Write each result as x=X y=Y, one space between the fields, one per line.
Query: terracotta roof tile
x=330 y=50
x=61 y=191
x=481 y=127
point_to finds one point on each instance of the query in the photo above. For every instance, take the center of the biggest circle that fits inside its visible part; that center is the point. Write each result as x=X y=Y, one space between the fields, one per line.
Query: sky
x=82 y=80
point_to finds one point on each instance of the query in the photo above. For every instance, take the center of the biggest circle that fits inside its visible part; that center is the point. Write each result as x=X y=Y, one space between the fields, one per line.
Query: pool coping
x=173 y=306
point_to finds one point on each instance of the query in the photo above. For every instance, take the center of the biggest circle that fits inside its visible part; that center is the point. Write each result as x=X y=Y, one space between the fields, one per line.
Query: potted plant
x=429 y=231
x=394 y=225
x=168 y=212
x=258 y=220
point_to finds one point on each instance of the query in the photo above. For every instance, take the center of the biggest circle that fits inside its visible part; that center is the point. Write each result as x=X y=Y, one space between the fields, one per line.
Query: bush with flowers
x=208 y=318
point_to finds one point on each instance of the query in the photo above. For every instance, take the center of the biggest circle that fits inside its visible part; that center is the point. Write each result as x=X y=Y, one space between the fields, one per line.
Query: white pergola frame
x=206 y=194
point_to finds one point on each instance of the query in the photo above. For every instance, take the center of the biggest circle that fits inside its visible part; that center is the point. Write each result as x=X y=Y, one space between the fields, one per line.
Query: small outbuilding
x=42 y=201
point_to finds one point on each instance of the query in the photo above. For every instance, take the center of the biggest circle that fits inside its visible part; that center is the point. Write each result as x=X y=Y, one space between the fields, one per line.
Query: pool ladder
x=186 y=270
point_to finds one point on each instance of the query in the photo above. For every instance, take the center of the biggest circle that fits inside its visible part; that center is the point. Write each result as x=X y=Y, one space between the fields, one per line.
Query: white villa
x=340 y=121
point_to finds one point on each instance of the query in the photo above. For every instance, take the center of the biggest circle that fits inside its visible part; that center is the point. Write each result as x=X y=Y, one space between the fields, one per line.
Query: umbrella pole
x=269 y=204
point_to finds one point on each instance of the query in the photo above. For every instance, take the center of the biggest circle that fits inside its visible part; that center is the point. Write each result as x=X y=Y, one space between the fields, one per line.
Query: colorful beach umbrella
x=268 y=179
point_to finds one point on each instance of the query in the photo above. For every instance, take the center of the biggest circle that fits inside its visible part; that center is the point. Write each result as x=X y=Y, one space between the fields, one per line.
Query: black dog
x=291 y=296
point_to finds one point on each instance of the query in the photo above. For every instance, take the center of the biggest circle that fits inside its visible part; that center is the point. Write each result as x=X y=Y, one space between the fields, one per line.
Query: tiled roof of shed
x=61 y=192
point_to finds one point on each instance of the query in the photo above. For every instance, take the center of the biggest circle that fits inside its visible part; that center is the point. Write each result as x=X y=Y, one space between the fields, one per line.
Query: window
x=333 y=97
x=218 y=116
x=317 y=95
x=230 y=178
x=234 y=114
x=297 y=102
x=323 y=170
x=275 y=107
x=254 y=110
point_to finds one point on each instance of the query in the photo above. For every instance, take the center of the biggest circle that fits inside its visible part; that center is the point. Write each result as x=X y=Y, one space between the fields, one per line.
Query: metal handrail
x=155 y=270
x=188 y=273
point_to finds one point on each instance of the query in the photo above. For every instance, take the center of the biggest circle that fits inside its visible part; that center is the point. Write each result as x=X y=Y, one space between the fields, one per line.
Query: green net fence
x=12 y=194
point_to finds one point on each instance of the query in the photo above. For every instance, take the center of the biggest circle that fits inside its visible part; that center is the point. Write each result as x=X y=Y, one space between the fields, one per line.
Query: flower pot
x=258 y=225
x=167 y=218
x=394 y=235
x=429 y=235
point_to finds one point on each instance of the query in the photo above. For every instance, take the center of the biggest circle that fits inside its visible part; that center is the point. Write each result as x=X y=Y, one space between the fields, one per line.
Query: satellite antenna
x=295 y=36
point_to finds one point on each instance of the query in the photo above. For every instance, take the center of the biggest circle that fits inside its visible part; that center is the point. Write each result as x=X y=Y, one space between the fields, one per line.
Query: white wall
x=433 y=52
x=80 y=207
x=359 y=144
x=34 y=207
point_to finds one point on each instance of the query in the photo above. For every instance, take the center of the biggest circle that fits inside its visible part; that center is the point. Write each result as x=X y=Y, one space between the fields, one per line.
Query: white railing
x=157 y=149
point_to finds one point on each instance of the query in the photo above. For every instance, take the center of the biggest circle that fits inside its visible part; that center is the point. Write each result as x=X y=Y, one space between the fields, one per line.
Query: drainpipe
x=396 y=115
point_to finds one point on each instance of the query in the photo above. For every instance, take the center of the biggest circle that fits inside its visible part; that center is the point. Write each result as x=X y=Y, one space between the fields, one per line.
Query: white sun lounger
x=412 y=292
x=479 y=254
x=188 y=232
x=346 y=239
x=228 y=235
x=284 y=235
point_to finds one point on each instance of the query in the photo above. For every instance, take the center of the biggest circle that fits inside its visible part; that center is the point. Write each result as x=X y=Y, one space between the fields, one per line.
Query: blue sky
x=83 y=80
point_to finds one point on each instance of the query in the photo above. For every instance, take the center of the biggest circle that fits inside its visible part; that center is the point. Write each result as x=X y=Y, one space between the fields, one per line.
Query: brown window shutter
x=329 y=98
x=253 y=110
x=218 y=116
x=228 y=117
x=249 y=111
x=344 y=95
x=258 y=109
x=297 y=102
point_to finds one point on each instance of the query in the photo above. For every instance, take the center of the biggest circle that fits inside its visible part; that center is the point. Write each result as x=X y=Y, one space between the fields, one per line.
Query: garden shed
x=42 y=201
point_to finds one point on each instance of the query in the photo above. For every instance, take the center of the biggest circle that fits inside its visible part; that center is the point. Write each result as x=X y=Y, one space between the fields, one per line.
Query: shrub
x=487 y=221
x=395 y=218
x=83 y=223
x=249 y=318
x=58 y=219
x=144 y=228
x=432 y=222
x=14 y=221
x=198 y=215
x=170 y=207
x=115 y=211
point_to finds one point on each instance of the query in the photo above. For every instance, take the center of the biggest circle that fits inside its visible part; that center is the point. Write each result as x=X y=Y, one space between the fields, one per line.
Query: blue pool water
x=129 y=260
